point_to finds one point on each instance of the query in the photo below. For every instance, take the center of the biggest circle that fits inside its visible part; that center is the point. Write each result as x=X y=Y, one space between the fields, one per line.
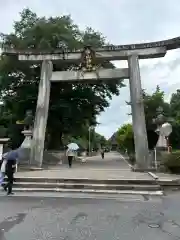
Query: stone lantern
x=164 y=129
x=25 y=147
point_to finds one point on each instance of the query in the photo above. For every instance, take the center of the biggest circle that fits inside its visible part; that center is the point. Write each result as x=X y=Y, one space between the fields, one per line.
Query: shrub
x=172 y=162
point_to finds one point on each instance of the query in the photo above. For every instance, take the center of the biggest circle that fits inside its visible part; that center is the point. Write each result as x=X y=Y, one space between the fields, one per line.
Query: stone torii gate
x=132 y=53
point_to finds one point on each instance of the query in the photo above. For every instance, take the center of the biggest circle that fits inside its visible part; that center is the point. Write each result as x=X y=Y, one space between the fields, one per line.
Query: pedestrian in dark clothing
x=11 y=157
x=70 y=154
x=102 y=153
x=10 y=170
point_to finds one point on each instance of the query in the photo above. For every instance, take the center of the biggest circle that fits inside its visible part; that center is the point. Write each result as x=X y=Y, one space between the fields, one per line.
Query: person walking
x=102 y=153
x=70 y=154
x=11 y=166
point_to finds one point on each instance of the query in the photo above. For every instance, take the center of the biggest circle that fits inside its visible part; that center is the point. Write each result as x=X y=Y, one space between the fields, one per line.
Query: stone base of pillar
x=149 y=167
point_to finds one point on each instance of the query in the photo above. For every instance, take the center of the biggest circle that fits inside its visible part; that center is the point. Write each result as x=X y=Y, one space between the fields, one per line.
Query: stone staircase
x=88 y=186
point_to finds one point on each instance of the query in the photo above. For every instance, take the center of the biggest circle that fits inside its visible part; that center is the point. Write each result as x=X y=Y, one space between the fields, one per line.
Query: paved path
x=112 y=160
x=112 y=167
x=89 y=219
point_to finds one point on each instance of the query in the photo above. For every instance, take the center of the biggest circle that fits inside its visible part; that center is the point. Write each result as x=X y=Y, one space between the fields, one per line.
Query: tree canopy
x=151 y=104
x=73 y=107
x=124 y=137
x=175 y=114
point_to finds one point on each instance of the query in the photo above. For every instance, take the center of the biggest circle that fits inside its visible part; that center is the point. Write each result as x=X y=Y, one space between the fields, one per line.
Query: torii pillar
x=138 y=115
x=42 y=108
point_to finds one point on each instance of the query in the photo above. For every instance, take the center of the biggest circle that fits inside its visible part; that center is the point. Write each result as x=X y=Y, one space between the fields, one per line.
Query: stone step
x=168 y=182
x=87 y=180
x=47 y=185
x=147 y=196
x=88 y=191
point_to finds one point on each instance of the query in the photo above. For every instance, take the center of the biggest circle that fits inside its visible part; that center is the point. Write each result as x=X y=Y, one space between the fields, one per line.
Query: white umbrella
x=73 y=146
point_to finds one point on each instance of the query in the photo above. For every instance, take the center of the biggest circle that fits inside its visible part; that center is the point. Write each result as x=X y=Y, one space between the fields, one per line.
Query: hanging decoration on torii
x=87 y=63
x=88 y=60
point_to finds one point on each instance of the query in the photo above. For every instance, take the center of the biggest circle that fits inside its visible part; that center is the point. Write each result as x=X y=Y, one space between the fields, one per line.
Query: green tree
x=151 y=103
x=124 y=137
x=175 y=114
x=98 y=141
x=72 y=107
x=175 y=105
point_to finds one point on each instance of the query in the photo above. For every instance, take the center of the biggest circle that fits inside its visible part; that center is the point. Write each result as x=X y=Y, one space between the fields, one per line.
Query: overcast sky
x=122 y=22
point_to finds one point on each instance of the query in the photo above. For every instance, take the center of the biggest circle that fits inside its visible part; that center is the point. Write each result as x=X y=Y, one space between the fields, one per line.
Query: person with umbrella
x=71 y=152
x=11 y=165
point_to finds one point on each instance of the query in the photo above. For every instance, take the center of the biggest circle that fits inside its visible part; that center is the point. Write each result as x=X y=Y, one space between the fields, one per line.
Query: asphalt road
x=40 y=218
